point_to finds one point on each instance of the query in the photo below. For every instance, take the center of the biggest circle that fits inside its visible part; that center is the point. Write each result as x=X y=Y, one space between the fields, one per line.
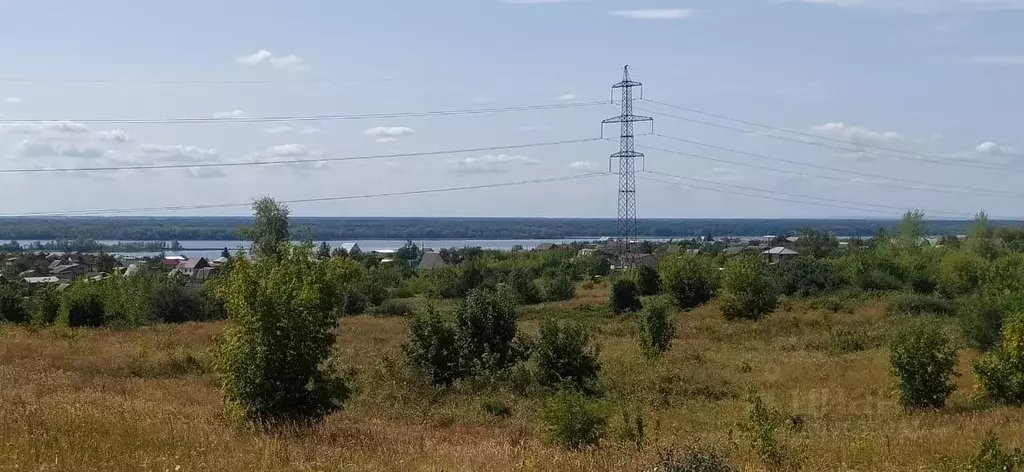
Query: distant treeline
x=86 y=245
x=226 y=228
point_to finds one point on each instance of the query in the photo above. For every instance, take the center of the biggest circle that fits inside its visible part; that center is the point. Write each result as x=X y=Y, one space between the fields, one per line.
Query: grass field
x=146 y=399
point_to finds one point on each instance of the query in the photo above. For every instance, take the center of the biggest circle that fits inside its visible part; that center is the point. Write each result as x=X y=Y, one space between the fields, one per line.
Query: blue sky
x=939 y=78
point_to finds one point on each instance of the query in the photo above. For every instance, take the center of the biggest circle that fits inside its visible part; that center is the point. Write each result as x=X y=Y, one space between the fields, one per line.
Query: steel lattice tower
x=627 y=156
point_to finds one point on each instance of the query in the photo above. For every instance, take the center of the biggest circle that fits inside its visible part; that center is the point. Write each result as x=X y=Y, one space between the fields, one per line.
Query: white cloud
x=263 y=56
x=12 y=100
x=204 y=173
x=581 y=165
x=115 y=135
x=62 y=127
x=567 y=96
x=491 y=164
x=936 y=137
x=310 y=130
x=45 y=148
x=287 y=150
x=995 y=150
x=229 y=114
x=998 y=60
x=655 y=14
x=279 y=129
x=175 y=154
x=256 y=58
x=856 y=134
x=388 y=134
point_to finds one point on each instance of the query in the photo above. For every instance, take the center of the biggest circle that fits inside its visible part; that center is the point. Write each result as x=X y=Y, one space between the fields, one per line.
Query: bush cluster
x=923 y=358
x=747 y=289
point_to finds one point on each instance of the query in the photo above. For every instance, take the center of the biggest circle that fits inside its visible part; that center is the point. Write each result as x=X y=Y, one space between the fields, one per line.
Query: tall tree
x=269 y=229
x=980 y=235
x=912 y=227
x=324 y=251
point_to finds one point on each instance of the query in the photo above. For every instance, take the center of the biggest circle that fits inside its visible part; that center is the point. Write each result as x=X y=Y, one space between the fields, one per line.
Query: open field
x=146 y=399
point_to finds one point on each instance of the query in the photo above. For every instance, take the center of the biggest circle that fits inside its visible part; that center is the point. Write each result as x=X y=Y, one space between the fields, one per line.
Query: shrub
x=992 y=458
x=1001 y=372
x=655 y=331
x=747 y=290
x=981 y=318
x=558 y=288
x=804 y=277
x=45 y=303
x=82 y=305
x=693 y=459
x=443 y=282
x=879 y=280
x=763 y=425
x=625 y=297
x=172 y=302
x=392 y=307
x=485 y=325
x=563 y=356
x=355 y=302
x=632 y=429
x=647 y=281
x=433 y=347
x=573 y=421
x=274 y=359
x=913 y=304
x=12 y=306
x=845 y=341
x=497 y=408
x=592 y=266
x=959 y=273
x=690 y=279
x=922 y=357
x=522 y=285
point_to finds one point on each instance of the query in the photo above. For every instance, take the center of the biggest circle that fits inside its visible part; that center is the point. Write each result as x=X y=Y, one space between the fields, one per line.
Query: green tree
x=655 y=331
x=690 y=279
x=485 y=324
x=225 y=253
x=816 y=244
x=922 y=357
x=274 y=361
x=980 y=237
x=433 y=347
x=564 y=357
x=911 y=228
x=1001 y=372
x=270 y=228
x=625 y=297
x=12 y=306
x=647 y=281
x=747 y=289
x=81 y=305
x=323 y=252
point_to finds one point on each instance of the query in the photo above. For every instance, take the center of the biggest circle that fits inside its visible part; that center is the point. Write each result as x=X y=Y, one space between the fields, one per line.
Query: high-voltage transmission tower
x=627 y=156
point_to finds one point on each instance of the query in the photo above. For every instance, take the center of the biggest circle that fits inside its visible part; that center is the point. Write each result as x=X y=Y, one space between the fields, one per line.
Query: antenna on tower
x=627 y=156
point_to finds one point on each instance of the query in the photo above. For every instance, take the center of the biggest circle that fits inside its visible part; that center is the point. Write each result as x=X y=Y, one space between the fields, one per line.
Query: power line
x=930 y=158
x=937 y=187
x=299 y=118
x=316 y=199
x=766 y=197
x=796 y=195
x=294 y=161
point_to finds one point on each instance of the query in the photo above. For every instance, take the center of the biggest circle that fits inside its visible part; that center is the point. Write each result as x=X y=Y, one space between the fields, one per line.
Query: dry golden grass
x=146 y=400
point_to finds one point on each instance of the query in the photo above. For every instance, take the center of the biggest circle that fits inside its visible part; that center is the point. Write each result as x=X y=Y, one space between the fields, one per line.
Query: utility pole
x=627 y=156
